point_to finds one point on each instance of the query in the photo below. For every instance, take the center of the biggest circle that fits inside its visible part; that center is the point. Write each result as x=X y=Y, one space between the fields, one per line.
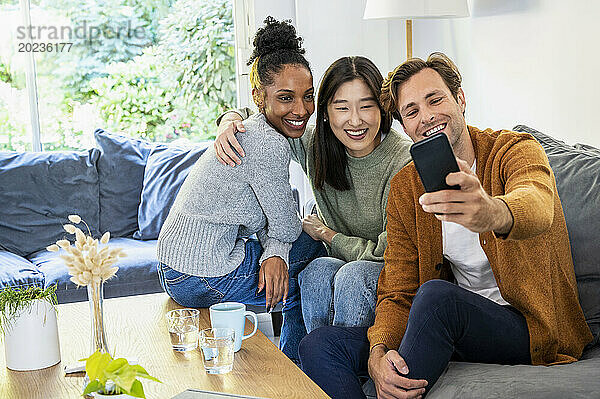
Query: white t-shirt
x=470 y=265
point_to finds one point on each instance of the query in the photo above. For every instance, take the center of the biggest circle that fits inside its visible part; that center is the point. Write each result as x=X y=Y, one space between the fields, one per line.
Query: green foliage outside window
x=177 y=88
x=170 y=82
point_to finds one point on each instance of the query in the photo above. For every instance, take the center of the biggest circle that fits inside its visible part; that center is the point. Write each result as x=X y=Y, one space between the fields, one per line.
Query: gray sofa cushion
x=166 y=169
x=39 y=190
x=577 y=172
x=463 y=380
x=137 y=272
x=475 y=380
x=121 y=173
x=16 y=271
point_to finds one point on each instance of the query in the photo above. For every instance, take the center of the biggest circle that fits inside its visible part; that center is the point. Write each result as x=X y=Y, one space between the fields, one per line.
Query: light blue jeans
x=339 y=293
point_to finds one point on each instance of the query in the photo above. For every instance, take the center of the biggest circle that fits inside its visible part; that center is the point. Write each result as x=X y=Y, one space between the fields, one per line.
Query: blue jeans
x=445 y=322
x=240 y=286
x=338 y=293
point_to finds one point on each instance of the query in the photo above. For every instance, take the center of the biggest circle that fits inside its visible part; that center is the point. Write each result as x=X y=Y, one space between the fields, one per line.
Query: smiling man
x=481 y=274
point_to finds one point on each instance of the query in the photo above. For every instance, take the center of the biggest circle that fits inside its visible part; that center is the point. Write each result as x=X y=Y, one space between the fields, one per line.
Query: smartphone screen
x=434 y=160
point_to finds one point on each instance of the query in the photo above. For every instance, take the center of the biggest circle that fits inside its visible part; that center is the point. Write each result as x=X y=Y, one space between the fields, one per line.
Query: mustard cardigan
x=532 y=265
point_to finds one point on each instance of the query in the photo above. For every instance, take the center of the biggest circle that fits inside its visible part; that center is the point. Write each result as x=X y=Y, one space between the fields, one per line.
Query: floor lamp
x=414 y=9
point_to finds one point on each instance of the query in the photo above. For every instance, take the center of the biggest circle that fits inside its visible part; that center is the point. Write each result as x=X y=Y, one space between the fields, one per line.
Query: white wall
x=534 y=62
x=525 y=61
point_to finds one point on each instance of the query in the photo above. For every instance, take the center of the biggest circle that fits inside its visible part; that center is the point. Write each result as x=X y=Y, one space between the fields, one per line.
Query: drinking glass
x=217 y=349
x=183 y=329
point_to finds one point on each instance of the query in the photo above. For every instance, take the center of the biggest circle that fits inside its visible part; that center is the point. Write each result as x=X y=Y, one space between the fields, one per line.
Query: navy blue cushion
x=166 y=169
x=16 y=271
x=136 y=275
x=577 y=172
x=38 y=190
x=121 y=172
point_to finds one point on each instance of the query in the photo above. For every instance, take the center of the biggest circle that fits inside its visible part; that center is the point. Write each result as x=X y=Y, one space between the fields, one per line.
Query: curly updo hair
x=276 y=45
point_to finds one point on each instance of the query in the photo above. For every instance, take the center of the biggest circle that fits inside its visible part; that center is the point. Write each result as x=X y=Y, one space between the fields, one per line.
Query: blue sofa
x=125 y=186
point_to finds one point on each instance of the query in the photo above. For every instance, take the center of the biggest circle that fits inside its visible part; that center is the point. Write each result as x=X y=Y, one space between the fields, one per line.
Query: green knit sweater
x=358 y=215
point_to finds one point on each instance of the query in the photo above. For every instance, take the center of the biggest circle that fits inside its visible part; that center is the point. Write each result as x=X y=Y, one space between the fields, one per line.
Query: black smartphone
x=434 y=160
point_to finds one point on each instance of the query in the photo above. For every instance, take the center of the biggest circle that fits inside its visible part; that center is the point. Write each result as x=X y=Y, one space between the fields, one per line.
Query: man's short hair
x=439 y=62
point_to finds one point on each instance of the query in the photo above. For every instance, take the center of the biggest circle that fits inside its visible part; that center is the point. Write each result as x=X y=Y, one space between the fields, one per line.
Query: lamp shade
x=413 y=9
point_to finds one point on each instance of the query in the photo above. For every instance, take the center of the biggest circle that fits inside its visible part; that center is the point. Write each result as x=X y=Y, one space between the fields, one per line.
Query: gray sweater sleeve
x=271 y=184
x=298 y=145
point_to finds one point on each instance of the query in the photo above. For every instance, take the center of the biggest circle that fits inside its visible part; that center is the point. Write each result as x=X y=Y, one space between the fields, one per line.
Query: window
x=15 y=126
x=162 y=70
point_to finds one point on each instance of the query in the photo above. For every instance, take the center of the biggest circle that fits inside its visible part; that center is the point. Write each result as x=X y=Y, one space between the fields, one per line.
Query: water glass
x=183 y=329
x=217 y=349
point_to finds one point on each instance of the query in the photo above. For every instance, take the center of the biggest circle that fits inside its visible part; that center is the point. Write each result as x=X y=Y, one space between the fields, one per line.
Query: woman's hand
x=314 y=227
x=273 y=277
x=225 y=141
x=386 y=369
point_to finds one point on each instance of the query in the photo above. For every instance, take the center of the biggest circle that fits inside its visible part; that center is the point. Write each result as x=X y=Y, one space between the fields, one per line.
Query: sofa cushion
x=586 y=147
x=16 y=271
x=121 y=173
x=39 y=190
x=136 y=275
x=477 y=380
x=166 y=169
x=577 y=172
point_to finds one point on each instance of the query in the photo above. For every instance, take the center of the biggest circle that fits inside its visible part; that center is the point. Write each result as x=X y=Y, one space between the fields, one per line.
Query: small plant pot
x=31 y=341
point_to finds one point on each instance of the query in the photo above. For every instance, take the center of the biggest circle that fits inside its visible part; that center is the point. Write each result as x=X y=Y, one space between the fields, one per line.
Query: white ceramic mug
x=232 y=315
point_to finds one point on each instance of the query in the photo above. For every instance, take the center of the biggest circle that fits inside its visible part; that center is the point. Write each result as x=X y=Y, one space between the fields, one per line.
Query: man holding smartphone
x=480 y=274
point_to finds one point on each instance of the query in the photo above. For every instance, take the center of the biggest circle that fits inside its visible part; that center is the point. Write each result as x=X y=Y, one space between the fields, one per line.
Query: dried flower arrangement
x=90 y=266
x=86 y=263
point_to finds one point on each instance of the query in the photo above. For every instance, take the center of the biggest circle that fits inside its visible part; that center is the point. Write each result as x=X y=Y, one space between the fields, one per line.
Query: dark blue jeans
x=240 y=286
x=445 y=322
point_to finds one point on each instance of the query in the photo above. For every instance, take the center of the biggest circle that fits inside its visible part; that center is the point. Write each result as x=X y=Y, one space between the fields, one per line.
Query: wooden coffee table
x=136 y=327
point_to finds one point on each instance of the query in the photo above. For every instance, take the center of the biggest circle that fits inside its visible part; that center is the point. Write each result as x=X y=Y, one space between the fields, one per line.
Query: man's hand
x=470 y=206
x=314 y=227
x=225 y=141
x=385 y=368
x=273 y=277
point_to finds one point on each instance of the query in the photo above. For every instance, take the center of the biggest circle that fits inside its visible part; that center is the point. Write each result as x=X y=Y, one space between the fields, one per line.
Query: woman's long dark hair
x=329 y=154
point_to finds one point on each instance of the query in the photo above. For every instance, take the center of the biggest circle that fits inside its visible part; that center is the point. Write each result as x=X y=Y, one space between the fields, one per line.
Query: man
x=502 y=238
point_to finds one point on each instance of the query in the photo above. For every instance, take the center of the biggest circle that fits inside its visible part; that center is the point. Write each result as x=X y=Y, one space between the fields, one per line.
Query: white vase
x=31 y=341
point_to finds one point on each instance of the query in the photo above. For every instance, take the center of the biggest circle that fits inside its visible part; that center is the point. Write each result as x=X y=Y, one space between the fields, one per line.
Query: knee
x=320 y=271
x=316 y=346
x=358 y=276
x=434 y=293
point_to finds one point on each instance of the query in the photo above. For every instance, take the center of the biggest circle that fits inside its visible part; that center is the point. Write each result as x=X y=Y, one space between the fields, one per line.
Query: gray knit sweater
x=218 y=206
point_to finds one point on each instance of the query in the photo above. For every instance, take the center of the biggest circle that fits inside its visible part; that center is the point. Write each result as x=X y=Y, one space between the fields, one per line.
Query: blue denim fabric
x=338 y=293
x=240 y=286
x=445 y=321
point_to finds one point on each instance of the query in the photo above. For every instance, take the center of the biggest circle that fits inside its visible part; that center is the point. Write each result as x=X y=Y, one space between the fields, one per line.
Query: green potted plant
x=28 y=324
x=114 y=378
